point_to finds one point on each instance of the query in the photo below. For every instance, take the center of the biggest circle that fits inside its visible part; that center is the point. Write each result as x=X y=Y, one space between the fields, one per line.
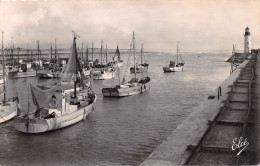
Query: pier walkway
x=224 y=130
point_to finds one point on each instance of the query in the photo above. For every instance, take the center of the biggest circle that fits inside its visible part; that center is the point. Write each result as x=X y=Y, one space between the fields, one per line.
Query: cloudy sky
x=158 y=24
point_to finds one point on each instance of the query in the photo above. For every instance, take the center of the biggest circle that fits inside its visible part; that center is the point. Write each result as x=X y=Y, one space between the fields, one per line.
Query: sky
x=158 y=24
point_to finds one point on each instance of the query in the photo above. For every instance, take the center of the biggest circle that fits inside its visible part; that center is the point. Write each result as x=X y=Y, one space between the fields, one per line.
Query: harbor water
x=121 y=131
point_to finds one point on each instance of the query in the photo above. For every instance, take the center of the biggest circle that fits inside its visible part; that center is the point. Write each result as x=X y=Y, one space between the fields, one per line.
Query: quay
x=224 y=129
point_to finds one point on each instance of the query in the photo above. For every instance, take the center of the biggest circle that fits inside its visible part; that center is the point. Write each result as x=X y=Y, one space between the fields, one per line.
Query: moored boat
x=100 y=71
x=134 y=86
x=142 y=67
x=9 y=108
x=61 y=105
x=23 y=71
x=103 y=74
x=173 y=67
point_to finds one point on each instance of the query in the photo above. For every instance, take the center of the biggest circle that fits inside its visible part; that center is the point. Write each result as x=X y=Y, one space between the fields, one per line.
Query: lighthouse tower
x=247 y=41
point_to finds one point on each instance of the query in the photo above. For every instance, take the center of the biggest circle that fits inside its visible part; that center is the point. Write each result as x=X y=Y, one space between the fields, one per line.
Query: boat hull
x=172 y=69
x=40 y=125
x=8 y=111
x=22 y=74
x=44 y=75
x=127 y=91
x=139 y=69
x=103 y=76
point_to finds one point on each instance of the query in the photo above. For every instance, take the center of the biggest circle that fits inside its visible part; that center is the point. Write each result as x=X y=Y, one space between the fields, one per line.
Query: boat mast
x=55 y=52
x=177 y=51
x=28 y=52
x=75 y=82
x=134 y=52
x=11 y=51
x=142 y=54
x=101 y=51
x=118 y=58
x=31 y=55
x=92 y=51
x=18 y=49
x=38 y=49
x=3 y=65
x=51 y=51
x=86 y=54
x=106 y=54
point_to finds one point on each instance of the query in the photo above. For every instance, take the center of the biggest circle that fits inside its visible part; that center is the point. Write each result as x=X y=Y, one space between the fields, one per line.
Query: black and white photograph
x=129 y=82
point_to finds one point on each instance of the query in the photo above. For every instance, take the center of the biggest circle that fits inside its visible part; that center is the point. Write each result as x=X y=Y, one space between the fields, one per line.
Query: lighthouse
x=247 y=41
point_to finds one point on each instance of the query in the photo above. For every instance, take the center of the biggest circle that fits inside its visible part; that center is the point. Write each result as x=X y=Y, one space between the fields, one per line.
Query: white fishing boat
x=23 y=71
x=9 y=108
x=134 y=86
x=59 y=106
x=173 y=67
x=142 y=67
x=103 y=72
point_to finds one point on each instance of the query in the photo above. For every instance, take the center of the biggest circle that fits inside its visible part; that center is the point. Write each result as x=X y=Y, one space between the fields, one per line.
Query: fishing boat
x=103 y=72
x=134 y=86
x=142 y=67
x=23 y=70
x=119 y=61
x=61 y=105
x=9 y=108
x=178 y=66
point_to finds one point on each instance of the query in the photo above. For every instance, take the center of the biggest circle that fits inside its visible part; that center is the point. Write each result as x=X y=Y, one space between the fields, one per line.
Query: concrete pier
x=207 y=135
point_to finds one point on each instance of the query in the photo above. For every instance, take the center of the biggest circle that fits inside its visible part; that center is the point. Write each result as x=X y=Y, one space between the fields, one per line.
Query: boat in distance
x=134 y=86
x=173 y=67
x=63 y=104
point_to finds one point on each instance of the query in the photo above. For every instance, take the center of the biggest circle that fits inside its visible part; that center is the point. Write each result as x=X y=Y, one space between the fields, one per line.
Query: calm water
x=121 y=131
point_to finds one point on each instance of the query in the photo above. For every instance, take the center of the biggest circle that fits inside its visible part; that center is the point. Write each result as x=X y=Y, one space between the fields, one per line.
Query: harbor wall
x=173 y=151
